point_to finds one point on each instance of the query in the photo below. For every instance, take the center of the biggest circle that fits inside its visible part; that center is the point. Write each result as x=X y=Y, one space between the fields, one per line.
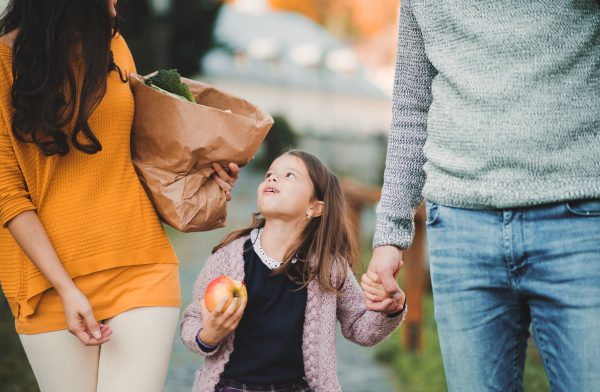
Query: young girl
x=285 y=340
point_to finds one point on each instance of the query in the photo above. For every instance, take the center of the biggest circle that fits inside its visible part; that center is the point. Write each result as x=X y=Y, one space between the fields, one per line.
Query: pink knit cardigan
x=359 y=325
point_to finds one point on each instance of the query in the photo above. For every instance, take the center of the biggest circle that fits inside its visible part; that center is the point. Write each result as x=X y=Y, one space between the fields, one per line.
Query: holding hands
x=218 y=323
x=382 y=293
x=375 y=291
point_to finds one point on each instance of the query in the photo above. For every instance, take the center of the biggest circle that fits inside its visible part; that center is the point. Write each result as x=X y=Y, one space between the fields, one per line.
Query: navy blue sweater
x=268 y=340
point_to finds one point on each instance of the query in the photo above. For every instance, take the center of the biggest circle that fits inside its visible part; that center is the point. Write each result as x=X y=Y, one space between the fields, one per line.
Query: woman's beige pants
x=135 y=359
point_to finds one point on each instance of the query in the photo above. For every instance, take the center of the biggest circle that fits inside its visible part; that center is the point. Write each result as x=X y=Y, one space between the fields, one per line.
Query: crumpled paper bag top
x=174 y=142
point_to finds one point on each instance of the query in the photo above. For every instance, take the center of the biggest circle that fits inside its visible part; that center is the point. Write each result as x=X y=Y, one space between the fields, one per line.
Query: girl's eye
x=291 y=175
x=268 y=175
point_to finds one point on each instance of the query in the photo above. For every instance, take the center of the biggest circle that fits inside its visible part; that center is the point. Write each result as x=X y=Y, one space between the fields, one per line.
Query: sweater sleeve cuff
x=389 y=233
x=204 y=347
x=14 y=208
x=398 y=313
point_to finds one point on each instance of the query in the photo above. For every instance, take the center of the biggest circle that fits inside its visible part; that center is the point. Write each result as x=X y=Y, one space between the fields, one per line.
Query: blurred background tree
x=281 y=137
x=169 y=35
x=349 y=19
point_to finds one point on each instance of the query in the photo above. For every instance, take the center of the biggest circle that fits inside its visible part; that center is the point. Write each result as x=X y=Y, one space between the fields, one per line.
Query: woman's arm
x=17 y=213
x=30 y=235
x=359 y=325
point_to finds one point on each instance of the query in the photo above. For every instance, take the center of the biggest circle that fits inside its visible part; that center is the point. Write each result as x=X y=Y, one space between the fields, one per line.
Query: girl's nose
x=273 y=178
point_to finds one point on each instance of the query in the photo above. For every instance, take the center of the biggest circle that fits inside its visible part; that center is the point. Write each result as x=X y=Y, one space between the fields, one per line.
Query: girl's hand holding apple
x=219 y=323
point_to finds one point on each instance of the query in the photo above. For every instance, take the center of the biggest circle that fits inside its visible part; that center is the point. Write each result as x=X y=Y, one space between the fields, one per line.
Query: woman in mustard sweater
x=84 y=259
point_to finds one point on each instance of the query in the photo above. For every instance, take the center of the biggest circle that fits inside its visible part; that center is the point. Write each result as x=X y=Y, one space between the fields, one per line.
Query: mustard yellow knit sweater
x=93 y=207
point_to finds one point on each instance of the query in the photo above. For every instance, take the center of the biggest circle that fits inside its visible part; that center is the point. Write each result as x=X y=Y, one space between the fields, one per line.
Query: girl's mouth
x=271 y=190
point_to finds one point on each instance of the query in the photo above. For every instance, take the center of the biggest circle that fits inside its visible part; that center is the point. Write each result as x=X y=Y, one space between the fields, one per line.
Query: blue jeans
x=495 y=272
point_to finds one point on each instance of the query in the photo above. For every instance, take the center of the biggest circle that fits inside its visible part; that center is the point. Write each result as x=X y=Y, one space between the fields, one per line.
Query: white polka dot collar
x=268 y=261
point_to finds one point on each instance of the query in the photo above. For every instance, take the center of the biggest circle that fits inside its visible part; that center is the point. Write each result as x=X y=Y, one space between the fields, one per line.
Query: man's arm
x=404 y=176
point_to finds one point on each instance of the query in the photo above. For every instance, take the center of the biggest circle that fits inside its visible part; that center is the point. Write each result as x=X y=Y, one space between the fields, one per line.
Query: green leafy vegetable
x=169 y=82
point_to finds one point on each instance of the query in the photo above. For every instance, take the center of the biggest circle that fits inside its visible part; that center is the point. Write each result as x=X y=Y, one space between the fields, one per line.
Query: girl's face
x=287 y=191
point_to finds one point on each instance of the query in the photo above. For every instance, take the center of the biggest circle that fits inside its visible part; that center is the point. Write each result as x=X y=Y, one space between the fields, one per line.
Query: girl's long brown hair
x=327 y=247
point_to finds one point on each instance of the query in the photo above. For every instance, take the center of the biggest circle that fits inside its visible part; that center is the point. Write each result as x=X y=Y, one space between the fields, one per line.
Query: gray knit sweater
x=496 y=105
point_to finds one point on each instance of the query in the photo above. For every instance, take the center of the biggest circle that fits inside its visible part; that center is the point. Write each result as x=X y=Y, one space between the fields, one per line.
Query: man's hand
x=226 y=180
x=386 y=263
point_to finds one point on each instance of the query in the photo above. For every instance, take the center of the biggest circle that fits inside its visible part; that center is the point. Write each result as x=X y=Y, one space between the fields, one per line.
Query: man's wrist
x=390 y=250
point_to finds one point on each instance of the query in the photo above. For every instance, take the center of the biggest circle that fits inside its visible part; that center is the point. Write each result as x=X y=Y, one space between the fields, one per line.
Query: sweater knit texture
x=496 y=105
x=359 y=325
x=93 y=207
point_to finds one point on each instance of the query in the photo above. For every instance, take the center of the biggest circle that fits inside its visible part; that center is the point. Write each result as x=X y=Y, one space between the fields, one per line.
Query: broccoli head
x=170 y=81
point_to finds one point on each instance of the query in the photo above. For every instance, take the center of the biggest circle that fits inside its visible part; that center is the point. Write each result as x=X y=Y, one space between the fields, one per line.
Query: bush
x=15 y=372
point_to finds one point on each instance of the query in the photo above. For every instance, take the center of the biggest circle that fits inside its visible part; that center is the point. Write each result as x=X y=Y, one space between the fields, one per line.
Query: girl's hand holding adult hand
x=226 y=180
x=81 y=321
x=218 y=323
x=385 y=264
x=375 y=292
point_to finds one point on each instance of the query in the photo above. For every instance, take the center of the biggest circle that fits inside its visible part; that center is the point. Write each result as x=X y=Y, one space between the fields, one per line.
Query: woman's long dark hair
x=328 y=239
x=45 y=90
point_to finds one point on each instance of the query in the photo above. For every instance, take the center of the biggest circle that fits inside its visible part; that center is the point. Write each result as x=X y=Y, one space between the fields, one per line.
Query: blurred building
x=290 y=66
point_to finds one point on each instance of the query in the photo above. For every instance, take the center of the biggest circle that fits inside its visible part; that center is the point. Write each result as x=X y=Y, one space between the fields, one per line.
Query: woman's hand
x=28 y=231
x=226 y=180
x=218 y=323
x=81 y=321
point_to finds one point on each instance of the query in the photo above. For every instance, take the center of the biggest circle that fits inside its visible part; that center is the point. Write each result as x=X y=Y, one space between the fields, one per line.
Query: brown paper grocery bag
x=173 y=143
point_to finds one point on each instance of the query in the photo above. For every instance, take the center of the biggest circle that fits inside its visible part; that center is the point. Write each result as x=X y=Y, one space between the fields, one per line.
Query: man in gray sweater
x=496 y=122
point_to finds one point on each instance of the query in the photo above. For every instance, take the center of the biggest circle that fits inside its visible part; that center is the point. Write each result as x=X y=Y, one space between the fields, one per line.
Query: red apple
x=224 y=286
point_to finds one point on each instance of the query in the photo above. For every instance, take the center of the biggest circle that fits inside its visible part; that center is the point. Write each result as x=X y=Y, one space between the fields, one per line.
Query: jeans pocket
x=588 y=207
x=432 y=212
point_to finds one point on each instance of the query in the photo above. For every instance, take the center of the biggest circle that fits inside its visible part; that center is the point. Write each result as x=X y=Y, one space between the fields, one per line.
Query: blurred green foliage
x=15 y=372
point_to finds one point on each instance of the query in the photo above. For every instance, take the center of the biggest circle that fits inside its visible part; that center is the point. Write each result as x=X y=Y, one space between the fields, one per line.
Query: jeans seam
x=542 y=350
x=519 y=353
x=507 y=249
x=516 y=359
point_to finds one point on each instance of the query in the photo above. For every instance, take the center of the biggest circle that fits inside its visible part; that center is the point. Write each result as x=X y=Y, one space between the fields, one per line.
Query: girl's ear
x=315 y=209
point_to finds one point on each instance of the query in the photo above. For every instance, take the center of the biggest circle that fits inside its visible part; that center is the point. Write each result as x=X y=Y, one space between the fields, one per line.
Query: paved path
x=356 y=370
